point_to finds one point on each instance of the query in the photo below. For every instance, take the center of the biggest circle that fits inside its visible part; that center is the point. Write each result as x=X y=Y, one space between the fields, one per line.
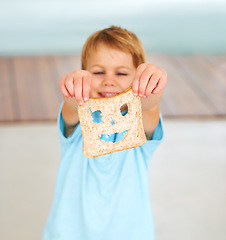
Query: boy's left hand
x=149 y=79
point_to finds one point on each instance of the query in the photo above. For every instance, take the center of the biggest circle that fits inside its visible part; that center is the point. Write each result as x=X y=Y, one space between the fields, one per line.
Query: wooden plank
x=30 y=85
x=8 y=95
x=55 y=79
x=215 y=71
x=190 y=94
x=30 y=101
x=73 y=62
x=182 y=97
x=216 y=64
x=47 y=85
x=63 y=65
x=219 y=59
x=204 y=81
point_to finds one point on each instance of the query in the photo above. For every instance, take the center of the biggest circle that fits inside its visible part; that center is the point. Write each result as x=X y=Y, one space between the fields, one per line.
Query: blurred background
x=42 y=40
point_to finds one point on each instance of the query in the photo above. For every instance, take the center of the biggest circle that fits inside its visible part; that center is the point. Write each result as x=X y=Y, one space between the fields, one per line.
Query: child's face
x=112 y=71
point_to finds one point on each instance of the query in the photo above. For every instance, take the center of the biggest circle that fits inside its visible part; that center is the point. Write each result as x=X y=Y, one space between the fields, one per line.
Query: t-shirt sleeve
x=151 y=145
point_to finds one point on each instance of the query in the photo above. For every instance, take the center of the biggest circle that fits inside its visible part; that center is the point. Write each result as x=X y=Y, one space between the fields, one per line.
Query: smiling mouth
x=113 y=137
x=107 y=94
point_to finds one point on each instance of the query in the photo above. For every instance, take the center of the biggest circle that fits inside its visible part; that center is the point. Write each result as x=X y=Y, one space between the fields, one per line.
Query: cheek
x=127 y=82
x=94 y=89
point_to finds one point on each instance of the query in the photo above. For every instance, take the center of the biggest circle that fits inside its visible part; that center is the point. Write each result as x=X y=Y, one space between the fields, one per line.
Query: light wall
x=61 y=26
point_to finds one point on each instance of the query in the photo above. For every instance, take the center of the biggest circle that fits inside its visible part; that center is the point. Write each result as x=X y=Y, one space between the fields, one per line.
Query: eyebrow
x=118 y=67
x=96 y=65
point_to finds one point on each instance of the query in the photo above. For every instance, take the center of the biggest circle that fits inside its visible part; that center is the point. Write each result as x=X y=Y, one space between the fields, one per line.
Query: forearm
x=152 y=101
x=150 y=120
x=151 y=113
x=70 y=115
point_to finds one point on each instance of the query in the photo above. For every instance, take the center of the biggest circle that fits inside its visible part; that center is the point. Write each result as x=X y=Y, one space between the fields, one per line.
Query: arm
x=149 y=83
x=150 y=120
x=70 y=115
x=75 y=89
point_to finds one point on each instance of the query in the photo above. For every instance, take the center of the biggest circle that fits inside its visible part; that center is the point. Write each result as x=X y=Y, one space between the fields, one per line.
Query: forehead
x=103 y=54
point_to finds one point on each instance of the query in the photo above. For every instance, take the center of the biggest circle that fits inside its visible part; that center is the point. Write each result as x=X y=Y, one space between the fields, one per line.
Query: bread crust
x=132 y=123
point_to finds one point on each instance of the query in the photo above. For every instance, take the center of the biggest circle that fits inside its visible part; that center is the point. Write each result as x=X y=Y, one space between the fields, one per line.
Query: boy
x=107 y=197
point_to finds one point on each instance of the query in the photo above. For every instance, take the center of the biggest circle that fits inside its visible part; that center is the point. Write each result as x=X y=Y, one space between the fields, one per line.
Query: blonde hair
x=116 y=38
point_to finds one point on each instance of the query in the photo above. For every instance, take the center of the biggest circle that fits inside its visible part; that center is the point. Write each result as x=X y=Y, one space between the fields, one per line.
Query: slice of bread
x=111 y=121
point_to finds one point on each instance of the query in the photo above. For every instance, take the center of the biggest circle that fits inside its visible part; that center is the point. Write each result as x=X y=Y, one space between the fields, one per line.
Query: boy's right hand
x=76 y=84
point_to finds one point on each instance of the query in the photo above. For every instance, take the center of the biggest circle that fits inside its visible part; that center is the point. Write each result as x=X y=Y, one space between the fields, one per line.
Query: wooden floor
x=29 y=86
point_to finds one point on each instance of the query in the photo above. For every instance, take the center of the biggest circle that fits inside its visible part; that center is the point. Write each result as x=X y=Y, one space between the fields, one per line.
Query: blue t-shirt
x=102 y=198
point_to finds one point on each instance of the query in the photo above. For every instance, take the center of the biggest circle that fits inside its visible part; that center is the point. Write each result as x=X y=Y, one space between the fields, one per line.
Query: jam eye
x=97 y=118
x=124 y=109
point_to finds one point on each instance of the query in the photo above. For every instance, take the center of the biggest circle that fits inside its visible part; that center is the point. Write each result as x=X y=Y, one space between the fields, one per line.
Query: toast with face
x=100 y=118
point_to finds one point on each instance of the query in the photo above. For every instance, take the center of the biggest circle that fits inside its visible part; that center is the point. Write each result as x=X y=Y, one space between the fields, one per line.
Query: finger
x=160 y=86
x=69 y=85
x=63 y=88
x=144 y=80
x=86 y=80
x=78 y=87
x=152 y=84
x=135 y=85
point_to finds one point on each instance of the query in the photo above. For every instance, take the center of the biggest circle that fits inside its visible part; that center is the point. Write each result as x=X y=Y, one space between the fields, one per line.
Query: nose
x=108 y=80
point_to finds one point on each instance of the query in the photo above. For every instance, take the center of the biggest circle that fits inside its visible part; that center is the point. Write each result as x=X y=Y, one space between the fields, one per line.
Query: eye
x=96 y=116
x=121 y=74
x=124 y=109
x=98 y=73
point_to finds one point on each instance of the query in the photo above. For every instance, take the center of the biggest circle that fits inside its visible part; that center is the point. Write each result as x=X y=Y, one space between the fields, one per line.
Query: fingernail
x=80 y=103
x=140 y=95
x=135 y=94
x=85 y=99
